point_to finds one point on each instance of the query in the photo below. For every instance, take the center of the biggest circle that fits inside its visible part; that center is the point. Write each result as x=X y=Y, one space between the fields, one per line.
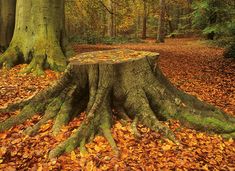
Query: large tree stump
x=125 y=80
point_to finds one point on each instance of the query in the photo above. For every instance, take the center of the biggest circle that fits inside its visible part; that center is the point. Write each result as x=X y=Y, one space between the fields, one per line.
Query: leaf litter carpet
x=190 y=65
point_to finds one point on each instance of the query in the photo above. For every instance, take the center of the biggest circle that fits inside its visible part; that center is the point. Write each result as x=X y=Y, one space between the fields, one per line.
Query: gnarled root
x=36 y=104
x=138 y=104
x=170 y=102
x=101 y=122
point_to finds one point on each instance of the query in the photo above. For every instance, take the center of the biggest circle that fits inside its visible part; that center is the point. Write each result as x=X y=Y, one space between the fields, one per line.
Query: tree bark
x=7 y=22
x=127 y=81
x=144 y=31
x=161 y=24
x=110 y=19
x=38 y=36
x=171 y=29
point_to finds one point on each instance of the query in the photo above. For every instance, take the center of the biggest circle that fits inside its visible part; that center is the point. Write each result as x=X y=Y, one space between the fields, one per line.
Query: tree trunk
x=127 y=81
x=38 y=36
x=110 y=19
x=138 y=25
x=178 y=14
x=212 y=21
x=7 y=22
x=169 y=20
x=115 y=20
x=189 y=12
x=161 y=24
x=144 y=32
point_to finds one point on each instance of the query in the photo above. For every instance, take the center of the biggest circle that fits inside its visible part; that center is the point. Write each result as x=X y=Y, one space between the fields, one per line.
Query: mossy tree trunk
x=38 y=36
x=7 y=22
x=110 y=15
x=145 y=17
x=161 y=22
x=129 y=82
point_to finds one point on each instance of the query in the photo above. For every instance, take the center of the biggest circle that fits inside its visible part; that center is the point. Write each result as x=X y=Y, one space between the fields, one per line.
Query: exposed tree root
x=135 y=88
x=9 y=58
x=50 y=57
x=38 y=38
x=134 y=128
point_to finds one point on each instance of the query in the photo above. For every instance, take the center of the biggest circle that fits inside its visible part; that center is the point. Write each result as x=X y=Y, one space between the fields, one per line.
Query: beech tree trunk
x=38 y=36
x=161 y=23
x=7 y=22
x=169 y=20
x=127 y=81
x=144 y=31
x=110 y=19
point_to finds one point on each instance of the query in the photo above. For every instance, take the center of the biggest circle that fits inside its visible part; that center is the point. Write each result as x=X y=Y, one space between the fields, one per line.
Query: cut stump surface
x=111 y=56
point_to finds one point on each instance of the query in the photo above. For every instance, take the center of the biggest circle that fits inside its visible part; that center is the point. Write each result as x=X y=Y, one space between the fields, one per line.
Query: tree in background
x=145 y=17
x=93 y=27
x=38 y=36
x=214 y=17
x=110 y=14
x=230 y=50
x=161 y=23
x=7 y=22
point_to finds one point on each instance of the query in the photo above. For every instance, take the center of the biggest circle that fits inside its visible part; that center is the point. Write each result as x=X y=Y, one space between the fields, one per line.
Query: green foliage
x=214 y=17
x=230 y=51
x=96 y=39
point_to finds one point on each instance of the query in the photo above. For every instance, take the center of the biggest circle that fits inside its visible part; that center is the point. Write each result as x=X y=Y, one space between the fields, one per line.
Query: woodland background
x=197 y=35
x=111 y=21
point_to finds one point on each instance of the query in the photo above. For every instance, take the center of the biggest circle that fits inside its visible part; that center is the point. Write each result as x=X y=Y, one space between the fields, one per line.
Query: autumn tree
x=38 y=36
x=110 y=14
x=130 y=82
x=145 y=17
x=161 y=23
x=7 y=22
x=214 y=17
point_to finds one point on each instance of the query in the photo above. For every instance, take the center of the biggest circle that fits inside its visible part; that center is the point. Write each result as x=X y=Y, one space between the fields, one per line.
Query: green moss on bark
x=37 y=37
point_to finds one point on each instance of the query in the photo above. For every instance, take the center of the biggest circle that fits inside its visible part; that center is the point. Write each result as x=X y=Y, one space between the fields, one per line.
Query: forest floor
x=191 y=65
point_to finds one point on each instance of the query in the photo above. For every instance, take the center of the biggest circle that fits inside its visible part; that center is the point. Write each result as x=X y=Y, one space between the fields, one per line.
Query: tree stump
x=125 y=80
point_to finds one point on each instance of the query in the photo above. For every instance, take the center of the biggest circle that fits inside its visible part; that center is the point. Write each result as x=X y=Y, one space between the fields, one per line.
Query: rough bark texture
x=144 y=31
x=110 y=15
x=38 y=36
x=161 y=24
x=7 y=22
x=129 y=82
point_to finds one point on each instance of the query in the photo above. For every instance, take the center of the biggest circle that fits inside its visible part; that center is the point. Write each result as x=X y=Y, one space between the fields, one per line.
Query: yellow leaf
x=73 y=156
x=230 y=140
x=39 y=168
x=166 y=147
x=97 y=148
x=200 y=135
x=205 y=167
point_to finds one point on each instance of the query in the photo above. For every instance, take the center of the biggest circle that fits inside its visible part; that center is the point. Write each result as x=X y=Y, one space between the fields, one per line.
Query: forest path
x=190 y=65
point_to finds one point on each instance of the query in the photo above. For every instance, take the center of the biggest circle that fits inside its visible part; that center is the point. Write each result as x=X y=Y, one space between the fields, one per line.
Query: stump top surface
x=110 y=56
